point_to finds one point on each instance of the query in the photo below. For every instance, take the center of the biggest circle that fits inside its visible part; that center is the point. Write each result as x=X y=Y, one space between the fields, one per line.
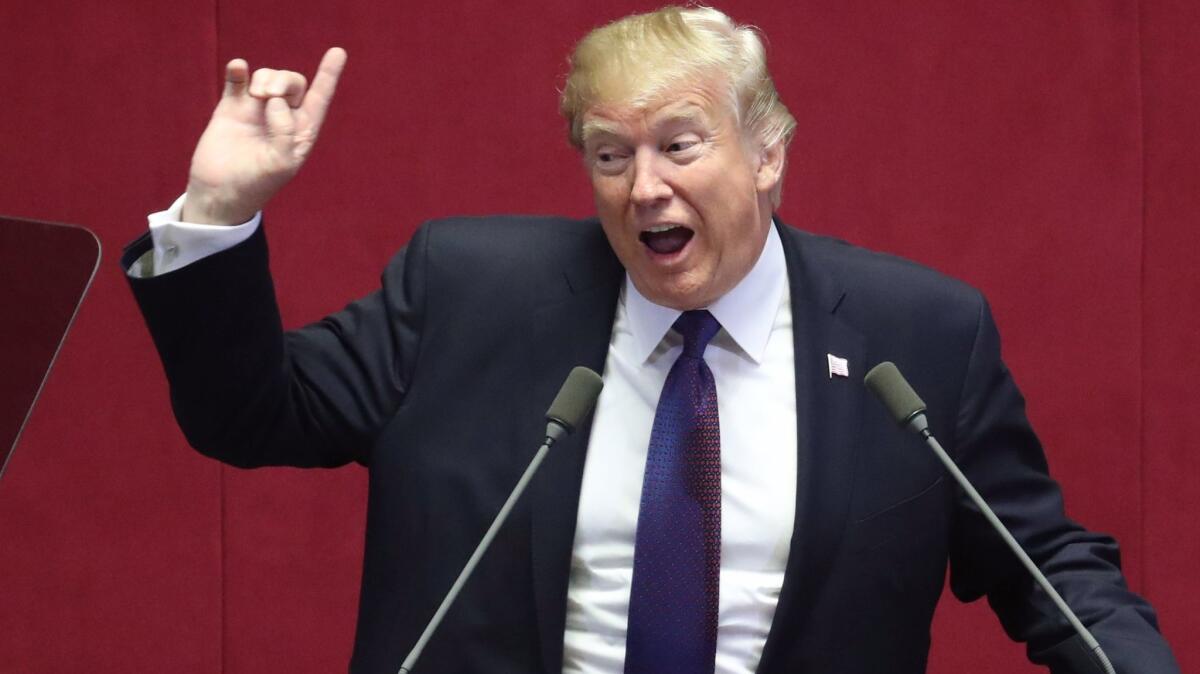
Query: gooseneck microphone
x=573 y=403
x=901 y=401
x=570 y=408
x=907 y=408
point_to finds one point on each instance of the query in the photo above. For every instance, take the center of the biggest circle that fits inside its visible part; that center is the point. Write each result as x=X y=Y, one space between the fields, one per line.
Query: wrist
x=205 y=207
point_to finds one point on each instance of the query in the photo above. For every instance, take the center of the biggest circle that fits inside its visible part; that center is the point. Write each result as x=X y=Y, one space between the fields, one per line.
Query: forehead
x=697 y=103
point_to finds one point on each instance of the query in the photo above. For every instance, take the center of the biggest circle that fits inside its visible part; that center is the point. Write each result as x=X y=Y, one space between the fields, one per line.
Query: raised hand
x=261 y=132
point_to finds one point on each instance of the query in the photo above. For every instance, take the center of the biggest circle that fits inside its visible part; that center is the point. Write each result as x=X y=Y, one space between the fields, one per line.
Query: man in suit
x=777 y=523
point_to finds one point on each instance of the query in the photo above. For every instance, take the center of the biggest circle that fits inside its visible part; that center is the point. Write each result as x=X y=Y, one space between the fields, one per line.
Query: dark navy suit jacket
x=438 y=383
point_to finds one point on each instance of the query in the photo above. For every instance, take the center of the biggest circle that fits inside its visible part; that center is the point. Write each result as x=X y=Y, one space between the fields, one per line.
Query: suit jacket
x=438 y=383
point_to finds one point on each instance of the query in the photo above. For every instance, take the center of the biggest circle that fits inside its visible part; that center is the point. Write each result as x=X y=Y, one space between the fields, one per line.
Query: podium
x=45 y=270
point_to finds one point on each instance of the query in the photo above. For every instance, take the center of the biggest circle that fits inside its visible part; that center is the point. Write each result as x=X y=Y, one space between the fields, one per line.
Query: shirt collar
x=746 y=312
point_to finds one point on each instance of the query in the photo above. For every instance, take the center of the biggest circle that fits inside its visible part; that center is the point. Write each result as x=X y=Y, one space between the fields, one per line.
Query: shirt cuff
x=178 y=244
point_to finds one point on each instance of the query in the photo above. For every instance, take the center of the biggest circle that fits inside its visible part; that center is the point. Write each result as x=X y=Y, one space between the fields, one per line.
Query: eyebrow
x=597 y=127
x=688 y=113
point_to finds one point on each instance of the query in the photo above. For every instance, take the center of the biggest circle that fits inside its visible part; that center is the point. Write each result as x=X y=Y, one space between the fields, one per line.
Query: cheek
x=612 y=221
x=728 y=208
x=609 y=192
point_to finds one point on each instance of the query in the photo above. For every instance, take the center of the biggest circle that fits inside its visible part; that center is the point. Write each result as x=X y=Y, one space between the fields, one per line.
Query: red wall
x=1047 y=152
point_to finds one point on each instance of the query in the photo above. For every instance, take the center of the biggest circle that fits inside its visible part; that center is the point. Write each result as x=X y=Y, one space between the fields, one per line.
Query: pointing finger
x=236 y=75
x=316 y=101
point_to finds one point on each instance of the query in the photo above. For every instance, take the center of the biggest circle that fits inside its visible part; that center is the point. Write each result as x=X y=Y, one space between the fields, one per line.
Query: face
x=682 y=194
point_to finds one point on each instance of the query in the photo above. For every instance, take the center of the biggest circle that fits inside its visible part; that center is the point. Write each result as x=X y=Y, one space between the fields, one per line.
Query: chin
x=681 y=300
x=676 y=291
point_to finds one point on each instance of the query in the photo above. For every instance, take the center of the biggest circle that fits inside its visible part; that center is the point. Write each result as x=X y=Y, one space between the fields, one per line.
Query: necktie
x=677 y=552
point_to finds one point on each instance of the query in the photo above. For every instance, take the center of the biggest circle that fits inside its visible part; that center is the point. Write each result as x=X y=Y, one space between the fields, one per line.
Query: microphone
x=570 y=408
x=573 y=403
x=905 y=406
x=908 y=410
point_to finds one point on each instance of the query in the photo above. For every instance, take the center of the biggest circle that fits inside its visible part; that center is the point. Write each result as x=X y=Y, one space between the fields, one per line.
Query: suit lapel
x=572 y=326
x=826 y=416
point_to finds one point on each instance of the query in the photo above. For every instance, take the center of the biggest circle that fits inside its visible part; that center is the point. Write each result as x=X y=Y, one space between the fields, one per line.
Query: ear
x=770 y=168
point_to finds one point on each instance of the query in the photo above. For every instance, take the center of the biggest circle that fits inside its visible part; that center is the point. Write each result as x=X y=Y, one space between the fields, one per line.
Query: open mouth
x=666 y=240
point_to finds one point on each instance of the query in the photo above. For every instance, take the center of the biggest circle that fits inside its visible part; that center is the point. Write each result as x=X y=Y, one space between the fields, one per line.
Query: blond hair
x=640 y=57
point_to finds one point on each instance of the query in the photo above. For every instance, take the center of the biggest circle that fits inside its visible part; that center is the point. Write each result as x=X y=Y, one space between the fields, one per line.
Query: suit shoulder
x=521 y=236
x=497 y=242
x=881 y=288
x=879 y=273
x=502 y=255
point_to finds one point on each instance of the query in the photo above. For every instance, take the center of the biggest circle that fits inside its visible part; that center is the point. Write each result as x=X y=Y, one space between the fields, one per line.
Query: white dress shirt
x=752 y=361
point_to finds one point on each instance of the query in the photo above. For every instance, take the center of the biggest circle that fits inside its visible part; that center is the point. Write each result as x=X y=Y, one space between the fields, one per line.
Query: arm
x=996 y=448
x=242 y=390
x=249 y=394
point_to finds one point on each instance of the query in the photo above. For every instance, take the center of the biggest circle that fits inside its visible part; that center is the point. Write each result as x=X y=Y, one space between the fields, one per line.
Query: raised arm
x=242 y=390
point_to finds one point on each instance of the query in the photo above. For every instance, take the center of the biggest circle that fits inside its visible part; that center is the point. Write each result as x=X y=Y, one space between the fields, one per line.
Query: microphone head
x=575 y=399
x=901 y=401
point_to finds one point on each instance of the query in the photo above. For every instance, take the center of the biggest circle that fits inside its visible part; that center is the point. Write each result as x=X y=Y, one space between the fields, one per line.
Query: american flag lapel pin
x=838 y=367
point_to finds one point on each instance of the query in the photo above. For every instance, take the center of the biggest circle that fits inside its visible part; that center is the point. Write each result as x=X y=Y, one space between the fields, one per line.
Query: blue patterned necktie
x=677 y=555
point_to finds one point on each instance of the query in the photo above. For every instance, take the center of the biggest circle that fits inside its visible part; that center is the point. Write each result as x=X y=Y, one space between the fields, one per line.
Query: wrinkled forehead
x=656 y=95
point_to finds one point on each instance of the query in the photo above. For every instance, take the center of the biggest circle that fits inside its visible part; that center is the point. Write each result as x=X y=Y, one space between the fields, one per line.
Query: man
x=737 y=504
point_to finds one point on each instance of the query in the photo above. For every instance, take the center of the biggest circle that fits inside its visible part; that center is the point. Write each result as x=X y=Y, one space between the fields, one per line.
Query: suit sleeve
x=997 y=449
x=249 y=394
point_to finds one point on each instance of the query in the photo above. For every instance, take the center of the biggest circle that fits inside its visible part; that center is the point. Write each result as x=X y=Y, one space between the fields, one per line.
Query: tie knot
x=697 y=328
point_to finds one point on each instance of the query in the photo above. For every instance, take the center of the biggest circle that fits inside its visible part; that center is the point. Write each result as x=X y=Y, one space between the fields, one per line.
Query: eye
x=684 y=146
x=609 y=159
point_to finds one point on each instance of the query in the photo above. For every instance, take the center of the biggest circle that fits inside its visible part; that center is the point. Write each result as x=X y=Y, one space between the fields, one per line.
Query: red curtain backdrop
x=1046 y=152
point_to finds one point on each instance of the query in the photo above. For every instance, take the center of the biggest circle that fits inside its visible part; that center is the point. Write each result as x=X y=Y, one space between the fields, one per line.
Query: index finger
x=320 y=93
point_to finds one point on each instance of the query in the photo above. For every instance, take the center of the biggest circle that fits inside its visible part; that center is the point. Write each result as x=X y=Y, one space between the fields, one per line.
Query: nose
x=648 y=184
